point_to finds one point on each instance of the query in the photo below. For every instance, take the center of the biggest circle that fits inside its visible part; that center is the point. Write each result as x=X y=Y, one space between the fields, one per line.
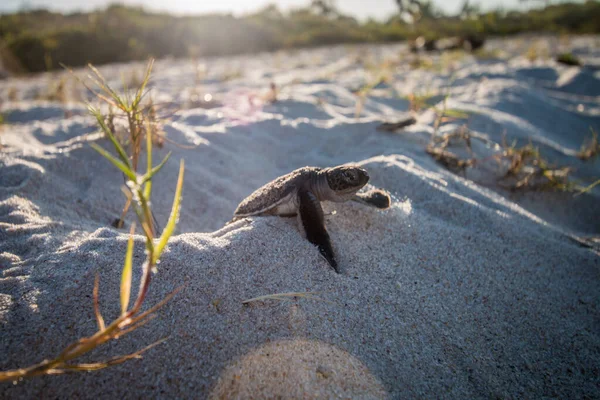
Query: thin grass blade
x=120 y=151
x=148 y=187
x=124 y=168
x=99 y=318
x=170 y=227
x=140 y=92
x=100 y=81
x=108 y=363
x=126 y=275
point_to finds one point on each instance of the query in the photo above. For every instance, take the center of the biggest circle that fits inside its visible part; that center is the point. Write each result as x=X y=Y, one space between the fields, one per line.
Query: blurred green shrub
x=40 y=40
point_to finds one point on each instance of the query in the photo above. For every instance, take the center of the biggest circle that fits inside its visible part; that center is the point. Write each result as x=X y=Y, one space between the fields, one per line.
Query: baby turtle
x=300 y=193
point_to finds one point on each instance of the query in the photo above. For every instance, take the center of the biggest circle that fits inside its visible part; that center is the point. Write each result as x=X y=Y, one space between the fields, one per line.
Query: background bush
x=40 y=39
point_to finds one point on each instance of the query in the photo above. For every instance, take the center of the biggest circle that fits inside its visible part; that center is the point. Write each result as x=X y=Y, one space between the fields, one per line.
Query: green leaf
x=168 y=231
x=126 y=275
x=454 y=113
x=124 y=168
x=120 y=151
x=140 y=92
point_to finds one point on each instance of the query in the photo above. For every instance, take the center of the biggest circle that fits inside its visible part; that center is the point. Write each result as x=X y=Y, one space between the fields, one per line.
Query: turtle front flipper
x=312 y=223
x=375 y=198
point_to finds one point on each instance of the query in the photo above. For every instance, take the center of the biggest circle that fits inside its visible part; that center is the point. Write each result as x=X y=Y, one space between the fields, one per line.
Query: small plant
x=418 y=101
x=519 y=157
x=13 y=94
x=363 y=92
x=568 y=59
x=590 y=148
x=445 y=114
x=528 y=170
x=131 y=318
x=537 y=50
x=532 y=53
x=461 y=134
x=129 y=105
x=438 y=150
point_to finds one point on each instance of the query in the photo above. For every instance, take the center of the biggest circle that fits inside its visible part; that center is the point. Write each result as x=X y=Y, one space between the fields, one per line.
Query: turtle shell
x=275 y=192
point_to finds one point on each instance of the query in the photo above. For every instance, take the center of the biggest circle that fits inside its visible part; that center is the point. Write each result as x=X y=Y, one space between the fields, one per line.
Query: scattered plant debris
x=528 y=170
x=131 y=318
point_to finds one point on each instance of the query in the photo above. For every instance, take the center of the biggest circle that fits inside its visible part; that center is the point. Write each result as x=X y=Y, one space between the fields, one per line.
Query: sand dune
x=462 y=289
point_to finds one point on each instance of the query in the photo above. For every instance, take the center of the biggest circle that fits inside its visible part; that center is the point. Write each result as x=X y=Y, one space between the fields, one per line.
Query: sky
x=361 y=9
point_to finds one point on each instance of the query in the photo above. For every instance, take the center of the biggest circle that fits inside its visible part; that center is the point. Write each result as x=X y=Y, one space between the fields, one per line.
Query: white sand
x=461 y=290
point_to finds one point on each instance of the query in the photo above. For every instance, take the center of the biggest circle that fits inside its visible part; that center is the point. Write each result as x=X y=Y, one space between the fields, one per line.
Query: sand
x=462 y=289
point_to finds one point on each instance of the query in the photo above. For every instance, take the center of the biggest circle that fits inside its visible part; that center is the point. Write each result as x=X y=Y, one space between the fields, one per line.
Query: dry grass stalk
x=285 y=296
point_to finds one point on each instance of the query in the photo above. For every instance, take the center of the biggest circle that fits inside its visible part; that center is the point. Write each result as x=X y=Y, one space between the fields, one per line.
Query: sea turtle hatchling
x=300 y=193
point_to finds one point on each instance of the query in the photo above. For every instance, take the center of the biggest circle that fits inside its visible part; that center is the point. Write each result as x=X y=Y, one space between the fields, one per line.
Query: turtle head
x=344 y=181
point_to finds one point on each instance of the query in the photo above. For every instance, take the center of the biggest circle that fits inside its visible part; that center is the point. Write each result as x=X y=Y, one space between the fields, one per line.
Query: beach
x=463 y=288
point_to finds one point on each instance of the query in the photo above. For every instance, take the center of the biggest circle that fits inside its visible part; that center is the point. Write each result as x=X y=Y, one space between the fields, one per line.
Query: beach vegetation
x=56 y=91
x=528 y=170
x=568 y=59
x=138 y=191
x=128 y=104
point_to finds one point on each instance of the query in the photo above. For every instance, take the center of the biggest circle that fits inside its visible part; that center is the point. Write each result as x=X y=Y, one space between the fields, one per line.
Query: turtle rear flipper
x=312 y=223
